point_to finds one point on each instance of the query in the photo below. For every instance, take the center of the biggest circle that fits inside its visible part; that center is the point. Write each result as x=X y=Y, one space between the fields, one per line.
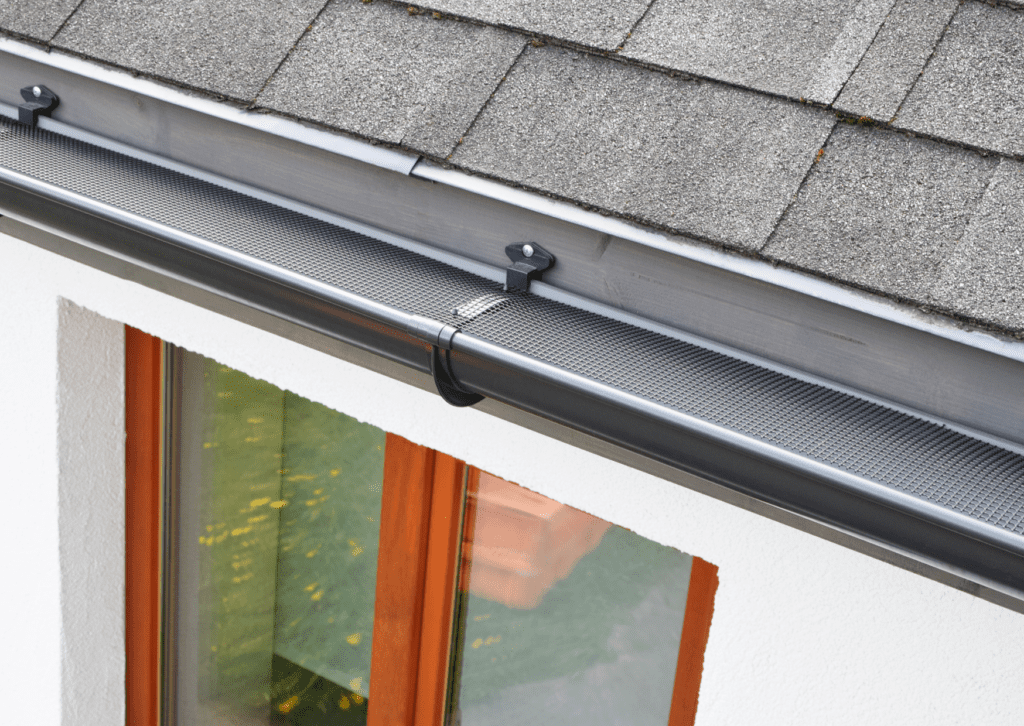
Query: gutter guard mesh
x=282 y=237
x=897 y=450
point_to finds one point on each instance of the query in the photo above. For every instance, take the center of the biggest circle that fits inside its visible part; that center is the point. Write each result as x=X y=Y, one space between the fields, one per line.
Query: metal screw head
x=37 y=91
x=527 y=250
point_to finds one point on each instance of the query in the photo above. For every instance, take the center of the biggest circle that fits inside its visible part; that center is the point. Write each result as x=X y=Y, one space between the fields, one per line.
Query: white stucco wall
x=804 y=632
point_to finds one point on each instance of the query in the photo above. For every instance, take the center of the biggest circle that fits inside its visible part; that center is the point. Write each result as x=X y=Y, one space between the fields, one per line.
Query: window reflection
x=280 y=504
x=563 y=618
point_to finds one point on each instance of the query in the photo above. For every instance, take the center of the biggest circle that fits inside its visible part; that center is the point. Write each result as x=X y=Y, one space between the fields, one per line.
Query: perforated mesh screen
x=294 y=241
x=897 y=450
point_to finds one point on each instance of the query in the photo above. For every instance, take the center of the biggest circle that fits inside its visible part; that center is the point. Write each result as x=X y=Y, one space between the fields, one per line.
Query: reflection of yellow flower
x=311 y=586
x=289 y=704
x=355 y=684
x=478 y=642
x=354 y=638
x=356 y=551
x=255 y=420
x=278 y=504
x=344 y=703
x=259 y=502
x=356 y=697
x=316 y=595
x=335 y=472
x=301 y=477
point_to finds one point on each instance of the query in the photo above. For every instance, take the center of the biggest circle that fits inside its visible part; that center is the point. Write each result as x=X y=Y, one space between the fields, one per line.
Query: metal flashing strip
x=754 y=269
x=335 y=143
x=831 y=456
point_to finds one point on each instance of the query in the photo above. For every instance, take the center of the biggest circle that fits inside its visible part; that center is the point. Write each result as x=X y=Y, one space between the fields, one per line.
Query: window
x=317 y=570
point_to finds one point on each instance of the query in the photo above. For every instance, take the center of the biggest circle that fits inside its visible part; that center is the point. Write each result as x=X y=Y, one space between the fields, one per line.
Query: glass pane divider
x=443 y=558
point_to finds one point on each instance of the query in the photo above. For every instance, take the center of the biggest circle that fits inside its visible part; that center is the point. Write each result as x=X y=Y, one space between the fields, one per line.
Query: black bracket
x=529 y=260
x=439 y=336
x=39 y=101
x=447 y=385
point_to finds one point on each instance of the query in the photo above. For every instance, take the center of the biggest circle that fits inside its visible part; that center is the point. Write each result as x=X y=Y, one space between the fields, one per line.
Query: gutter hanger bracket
x=439 y=336
x=39 y=101
x=529 y=260
x=445 y=381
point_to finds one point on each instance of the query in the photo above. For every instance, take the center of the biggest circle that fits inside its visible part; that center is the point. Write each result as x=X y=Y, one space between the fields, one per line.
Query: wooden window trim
x=700 y=605
x=143 y=392
x=424 y=494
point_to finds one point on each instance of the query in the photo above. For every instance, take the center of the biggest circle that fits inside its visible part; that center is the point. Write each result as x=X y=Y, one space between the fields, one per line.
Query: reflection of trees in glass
x=334 y=469
x=289 y=534
x=239 y=528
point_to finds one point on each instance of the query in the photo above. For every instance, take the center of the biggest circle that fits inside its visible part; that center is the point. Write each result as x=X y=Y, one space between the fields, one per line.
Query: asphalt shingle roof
x=39 y=19
x=881 y=209
x=795 y=48
x=728 y=121
x=983 y=278
x=890 y=67
x=718 y=161
x=379 y=72
x=597 y=23
x=973 y=89
x=227 y=47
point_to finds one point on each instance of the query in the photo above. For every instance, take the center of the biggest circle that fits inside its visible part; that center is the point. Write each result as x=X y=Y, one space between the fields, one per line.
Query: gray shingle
x=599 y=23
x=38 y=19
x=984 y=276
x=375 y=70
x=882 y=210
x=797 y=48
x=229 y=48
x=891 y=65
x=715 y=162
x=971 y=90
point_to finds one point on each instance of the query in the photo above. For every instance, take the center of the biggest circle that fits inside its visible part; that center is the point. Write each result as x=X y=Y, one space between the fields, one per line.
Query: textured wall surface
x=804 y=631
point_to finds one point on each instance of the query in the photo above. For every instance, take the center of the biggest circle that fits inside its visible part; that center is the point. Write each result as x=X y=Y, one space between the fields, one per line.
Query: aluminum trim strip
x=386 y=158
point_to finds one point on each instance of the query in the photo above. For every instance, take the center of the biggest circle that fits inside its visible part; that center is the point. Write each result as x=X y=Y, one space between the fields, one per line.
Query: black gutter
x=968 y=546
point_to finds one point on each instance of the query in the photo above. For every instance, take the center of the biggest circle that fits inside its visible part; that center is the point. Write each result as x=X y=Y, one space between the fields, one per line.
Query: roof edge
x=336 y=143
x=757 y=269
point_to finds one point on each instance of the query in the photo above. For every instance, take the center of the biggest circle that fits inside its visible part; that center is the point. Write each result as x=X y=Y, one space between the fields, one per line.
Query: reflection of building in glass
x=522 y=543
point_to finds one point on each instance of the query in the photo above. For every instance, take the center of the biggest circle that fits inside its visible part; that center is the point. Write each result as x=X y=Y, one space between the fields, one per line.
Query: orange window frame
x=418 y=563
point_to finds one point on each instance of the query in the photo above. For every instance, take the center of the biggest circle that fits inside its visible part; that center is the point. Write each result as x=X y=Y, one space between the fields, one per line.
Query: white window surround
x=805 y=631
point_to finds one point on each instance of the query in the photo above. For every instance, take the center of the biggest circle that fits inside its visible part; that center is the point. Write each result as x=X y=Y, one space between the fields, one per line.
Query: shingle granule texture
x=229 y=48
x=882 y=210
x=37 y=19
x=972 y=91
x=984 y=276
x=377 y=71
x=796 y=48
x=599 y=23
x=888 y=70
x=709 y=161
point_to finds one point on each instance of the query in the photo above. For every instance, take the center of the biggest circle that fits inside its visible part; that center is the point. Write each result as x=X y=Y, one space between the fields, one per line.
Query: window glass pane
x=279 y=517
x=563 y=618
